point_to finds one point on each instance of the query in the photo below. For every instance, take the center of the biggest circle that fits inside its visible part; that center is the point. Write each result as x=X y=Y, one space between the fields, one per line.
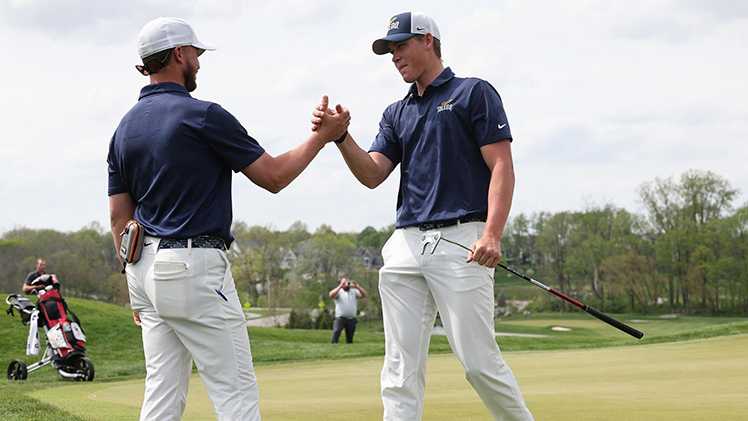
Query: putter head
x=432 y=238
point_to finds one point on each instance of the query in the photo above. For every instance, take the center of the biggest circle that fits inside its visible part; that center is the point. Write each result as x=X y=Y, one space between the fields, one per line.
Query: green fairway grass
x=115 y=346
x=694 y=380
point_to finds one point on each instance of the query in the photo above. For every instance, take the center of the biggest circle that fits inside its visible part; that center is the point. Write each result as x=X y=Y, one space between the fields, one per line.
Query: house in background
x=368 y=259
x=288 y=261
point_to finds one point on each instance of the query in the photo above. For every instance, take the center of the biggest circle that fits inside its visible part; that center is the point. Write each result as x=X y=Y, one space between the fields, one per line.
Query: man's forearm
x=117 y=226
x=276 y=173
x=500 y=194
x=371 y=171
x=498 y=158
x=292 y=163
x=121 y=210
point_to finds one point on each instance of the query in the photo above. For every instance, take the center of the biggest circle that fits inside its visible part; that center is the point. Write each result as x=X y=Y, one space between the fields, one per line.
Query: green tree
x=327 y=254
x=374 y=239
x=555 y=244
x=518 y=244
x=737 y=256
x=256 y=256
x=678 y=214
x=637 y=276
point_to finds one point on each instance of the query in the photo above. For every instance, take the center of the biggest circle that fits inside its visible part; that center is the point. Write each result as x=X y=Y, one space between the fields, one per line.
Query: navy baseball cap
x=404 y=26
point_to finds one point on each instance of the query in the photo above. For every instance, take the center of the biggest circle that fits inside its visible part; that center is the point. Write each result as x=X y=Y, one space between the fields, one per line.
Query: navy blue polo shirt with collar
x=174 y=155
x=436 y=139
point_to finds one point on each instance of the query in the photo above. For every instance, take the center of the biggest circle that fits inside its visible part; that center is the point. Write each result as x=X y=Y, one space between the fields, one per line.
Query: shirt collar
x=162 y=88
x=443 y=78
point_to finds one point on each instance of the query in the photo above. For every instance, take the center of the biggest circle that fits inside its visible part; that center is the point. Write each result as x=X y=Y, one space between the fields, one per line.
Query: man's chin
x=408 y=79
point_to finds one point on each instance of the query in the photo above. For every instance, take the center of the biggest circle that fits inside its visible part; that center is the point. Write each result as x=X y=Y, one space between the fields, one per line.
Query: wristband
x=342 y=138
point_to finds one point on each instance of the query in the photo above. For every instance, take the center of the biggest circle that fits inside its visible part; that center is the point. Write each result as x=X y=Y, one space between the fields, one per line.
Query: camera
x=349 y=283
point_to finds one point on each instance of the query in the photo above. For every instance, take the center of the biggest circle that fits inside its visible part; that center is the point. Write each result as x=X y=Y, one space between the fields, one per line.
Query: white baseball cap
x=404 y=26
x=165 y=33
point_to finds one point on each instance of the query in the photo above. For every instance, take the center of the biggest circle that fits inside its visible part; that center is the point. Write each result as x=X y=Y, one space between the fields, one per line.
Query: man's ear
x=179 y=54
x=428 y=39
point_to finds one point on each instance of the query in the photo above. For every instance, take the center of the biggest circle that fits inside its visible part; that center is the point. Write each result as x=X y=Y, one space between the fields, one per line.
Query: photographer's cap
x=404 y=26
x=165 y=33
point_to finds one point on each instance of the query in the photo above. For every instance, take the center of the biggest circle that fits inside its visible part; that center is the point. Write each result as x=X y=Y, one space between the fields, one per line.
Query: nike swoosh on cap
x=501 y=126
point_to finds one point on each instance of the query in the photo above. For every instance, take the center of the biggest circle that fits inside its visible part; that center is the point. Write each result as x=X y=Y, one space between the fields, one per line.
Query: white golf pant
x=184 y=317
x=413 y=287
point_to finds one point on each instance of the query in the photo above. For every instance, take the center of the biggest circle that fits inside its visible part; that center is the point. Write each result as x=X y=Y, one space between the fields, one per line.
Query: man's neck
x=164 y=76
x=429 y=76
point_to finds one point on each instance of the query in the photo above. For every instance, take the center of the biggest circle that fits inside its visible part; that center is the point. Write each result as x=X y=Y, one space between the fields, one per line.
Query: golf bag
x=66 y=342
x=63 y=334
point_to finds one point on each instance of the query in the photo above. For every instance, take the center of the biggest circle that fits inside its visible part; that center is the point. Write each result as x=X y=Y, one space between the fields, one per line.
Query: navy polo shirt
x=436 y=139
x=174 y=155
x=31 y=276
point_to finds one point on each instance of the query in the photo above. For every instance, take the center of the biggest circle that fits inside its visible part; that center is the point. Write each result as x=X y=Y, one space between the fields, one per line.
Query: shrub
x=299 y=320
x=323 y=320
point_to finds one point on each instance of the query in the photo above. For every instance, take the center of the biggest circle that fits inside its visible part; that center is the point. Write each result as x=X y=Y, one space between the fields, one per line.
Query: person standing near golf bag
x=170 y=167
x=451 y=138
x=41 y=267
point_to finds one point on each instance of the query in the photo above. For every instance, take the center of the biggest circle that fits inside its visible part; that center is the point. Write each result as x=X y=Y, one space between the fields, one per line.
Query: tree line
x=685 y=253
x=293 y=268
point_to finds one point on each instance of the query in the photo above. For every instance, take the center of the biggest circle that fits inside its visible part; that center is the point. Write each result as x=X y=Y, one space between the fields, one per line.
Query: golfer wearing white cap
x=451 y=138
x=170 y=168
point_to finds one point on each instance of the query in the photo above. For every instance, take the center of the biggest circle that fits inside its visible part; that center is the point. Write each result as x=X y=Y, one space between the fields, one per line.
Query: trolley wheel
x=86 y=367
x=17 y=370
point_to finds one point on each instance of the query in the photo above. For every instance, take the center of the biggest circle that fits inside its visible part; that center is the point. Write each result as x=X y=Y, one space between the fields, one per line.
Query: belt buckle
x=427 y=226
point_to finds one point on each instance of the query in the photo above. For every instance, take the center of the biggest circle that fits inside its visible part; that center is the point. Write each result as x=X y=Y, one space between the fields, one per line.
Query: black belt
x=199 y=242
x=479 y=217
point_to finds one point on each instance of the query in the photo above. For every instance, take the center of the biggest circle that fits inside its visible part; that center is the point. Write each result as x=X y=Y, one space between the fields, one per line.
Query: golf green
x=696 y=380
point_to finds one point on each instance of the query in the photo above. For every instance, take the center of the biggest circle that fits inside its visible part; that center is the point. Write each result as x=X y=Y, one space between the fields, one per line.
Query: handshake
x=331 y=124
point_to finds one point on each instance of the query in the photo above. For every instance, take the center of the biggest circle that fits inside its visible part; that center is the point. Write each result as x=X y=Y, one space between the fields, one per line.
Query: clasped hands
x=338 y=117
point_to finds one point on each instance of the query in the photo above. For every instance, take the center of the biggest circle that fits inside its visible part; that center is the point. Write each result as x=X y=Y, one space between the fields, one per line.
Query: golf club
x=433 y=238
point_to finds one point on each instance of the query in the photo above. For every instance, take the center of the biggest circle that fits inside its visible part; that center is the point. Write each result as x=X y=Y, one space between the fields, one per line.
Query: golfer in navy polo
x=170 y=167
x=451 y=138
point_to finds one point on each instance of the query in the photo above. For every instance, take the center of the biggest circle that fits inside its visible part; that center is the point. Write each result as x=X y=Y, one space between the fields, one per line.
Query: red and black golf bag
x=64 y=334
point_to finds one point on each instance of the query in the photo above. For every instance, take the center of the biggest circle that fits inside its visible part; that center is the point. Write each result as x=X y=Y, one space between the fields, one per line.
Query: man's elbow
x=273 y=189
x=275 y=186
x=278 y=183
x=269 y=180
x=117 y=222
x=121 y=209
x=372 y=182
x=114 y=221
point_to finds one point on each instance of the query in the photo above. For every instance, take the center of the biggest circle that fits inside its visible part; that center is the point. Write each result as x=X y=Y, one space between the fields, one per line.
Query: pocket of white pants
x=386 y=247
x=172 y=288
x=169 y=271
x=391 y=243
